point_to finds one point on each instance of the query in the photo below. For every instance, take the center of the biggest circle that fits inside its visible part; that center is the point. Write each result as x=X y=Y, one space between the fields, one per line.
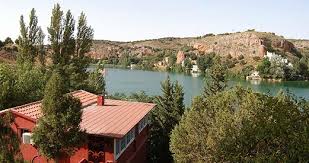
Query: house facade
x=117 y=130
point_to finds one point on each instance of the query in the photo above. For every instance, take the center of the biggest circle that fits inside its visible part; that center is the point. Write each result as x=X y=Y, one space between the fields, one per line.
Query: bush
x=209 y=35
x=242 y=62
x=240 y=57
x=256 y=58
x=240 y=125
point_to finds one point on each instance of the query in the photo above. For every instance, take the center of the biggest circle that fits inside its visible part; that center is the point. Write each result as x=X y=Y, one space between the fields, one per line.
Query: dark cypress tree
x=58 y=132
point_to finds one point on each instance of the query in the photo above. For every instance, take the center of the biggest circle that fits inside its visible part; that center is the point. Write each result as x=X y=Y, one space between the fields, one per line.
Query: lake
x=129 y=81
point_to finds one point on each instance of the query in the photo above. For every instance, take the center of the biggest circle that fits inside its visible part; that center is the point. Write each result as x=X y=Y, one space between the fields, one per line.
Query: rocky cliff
x=249 y=44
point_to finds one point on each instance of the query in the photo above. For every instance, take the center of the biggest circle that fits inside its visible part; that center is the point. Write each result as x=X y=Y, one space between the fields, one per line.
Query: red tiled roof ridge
x=133 y=101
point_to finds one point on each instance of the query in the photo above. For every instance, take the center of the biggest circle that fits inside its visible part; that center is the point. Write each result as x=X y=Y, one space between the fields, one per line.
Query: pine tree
x=167 y=114
x=58 y=132
x=239 y=125
x=215 y=81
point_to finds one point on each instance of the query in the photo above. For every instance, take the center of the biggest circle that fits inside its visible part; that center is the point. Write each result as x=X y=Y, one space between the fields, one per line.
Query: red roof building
x=117 y=130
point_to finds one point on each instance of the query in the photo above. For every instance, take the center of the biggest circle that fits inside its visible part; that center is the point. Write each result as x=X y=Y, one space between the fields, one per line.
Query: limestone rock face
x=262 y=51
x=285 y=45
x=180 y=57
x=248 y=44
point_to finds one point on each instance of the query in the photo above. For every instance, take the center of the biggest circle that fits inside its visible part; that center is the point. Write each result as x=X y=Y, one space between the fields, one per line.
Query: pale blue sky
x=124 y=20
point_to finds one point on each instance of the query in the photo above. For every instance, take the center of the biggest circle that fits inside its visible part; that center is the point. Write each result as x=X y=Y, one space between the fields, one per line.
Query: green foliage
x=187 y=64
x=9 y=142
x=138 y=96
x=246 y=71
x=167 y=114
x=264 y=67
x=20 y=84
x=301 y=67
x=1 y=44
x=31 y=39
x=239 y=125
x=55 y=33
x=96 y=82
x=205 y=61
x=215 y=80
x=68 y=51
x=172 y=60
x=6 y=86
x=58 y=132
x=8 y=40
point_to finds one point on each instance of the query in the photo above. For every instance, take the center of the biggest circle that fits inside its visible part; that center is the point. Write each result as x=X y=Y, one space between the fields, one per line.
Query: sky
x=129 y=20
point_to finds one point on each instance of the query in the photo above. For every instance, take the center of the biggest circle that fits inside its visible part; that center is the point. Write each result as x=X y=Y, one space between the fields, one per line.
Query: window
x=122 y=144
x=117 y=147
x=142 y=124
x=22 y=130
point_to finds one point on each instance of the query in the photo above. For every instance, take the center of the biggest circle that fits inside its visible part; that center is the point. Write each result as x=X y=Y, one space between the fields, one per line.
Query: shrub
x=240 y=57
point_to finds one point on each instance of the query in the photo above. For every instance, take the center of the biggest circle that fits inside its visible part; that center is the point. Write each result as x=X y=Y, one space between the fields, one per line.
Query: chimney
x=100 y=100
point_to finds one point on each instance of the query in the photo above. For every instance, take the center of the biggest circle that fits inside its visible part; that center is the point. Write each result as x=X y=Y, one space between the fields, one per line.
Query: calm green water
x=129 y=81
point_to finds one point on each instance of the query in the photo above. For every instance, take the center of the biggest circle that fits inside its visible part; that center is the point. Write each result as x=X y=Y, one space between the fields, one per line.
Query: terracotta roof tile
x=114 y=119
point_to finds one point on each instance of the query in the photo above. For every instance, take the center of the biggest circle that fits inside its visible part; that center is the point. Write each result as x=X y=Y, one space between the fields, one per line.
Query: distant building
x=166 y=59
x=195 y=69
x=117 y=130
x=133 y=66
x=273 y=57
x=254 y=76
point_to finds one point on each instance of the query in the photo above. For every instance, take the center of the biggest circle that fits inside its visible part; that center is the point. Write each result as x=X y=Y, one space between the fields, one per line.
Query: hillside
x=250 y=44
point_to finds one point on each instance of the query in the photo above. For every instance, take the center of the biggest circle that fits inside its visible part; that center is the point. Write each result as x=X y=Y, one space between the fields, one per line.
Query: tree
x=68 y=51
x=264 y=67
x=239 y=125
x=169 y=110
x=205 y=61
x=8 y=40
x=30 y=39
x=55 y=34
x=20 y=84
x=215 y=80
x=41 y=50
x=9 y=142
x=58 y=133
x=187 y=64
x=96 y=82
x=1 y=44
x=84 y=36
x=6 y=86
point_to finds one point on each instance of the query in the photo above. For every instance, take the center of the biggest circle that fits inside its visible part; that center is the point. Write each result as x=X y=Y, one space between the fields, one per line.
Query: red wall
x=135 y=153
x=29 y=152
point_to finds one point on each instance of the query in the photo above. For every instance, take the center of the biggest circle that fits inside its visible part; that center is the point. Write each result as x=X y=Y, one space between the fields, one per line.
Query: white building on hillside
x=273 y=57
